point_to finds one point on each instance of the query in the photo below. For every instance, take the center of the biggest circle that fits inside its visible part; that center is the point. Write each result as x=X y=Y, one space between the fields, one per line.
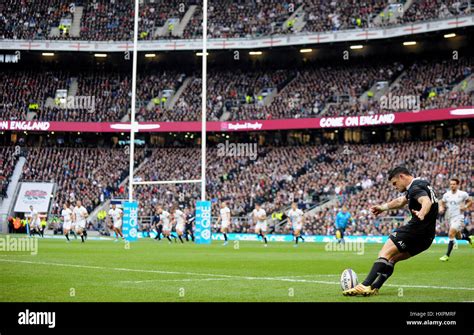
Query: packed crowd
x=435 y=9
x=305 y=92
x=91 y=175
x=424 y=85
x=436 y=161
x=152 y=104
x=229 y=19
x=20 y=89
x=355 y=176
x=110 y=95
x=8 y=159
x=313 y=88
x=109 y=99
x=105 y=20
x=321 y=15
x=352 y=175
x=433 y=82
x=31 y=20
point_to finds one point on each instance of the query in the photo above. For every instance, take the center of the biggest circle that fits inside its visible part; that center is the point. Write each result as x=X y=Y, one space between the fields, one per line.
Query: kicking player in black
x=409 y=240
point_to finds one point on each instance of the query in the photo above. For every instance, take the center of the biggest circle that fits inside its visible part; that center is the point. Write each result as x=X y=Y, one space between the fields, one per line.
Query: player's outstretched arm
x=394 y=204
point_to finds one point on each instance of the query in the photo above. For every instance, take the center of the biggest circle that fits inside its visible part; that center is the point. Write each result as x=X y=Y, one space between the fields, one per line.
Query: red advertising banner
x=251 y=125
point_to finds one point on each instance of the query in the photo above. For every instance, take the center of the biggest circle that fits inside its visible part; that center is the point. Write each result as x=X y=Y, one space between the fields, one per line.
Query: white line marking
x=284 y=279
x=305 y=276
x=171 y=280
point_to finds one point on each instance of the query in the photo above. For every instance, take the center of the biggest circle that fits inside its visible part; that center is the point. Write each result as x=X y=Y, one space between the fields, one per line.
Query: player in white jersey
x=296 y=220
x=260 y=218
x=35 y=222
x=66 y=214
x=165 y=219
x=79 y=214
x=116 y=214
x=179 y=219
x=224 y=220
x=453 y=204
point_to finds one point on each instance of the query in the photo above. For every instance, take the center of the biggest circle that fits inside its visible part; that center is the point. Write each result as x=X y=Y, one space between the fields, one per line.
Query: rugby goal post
x=203 y=218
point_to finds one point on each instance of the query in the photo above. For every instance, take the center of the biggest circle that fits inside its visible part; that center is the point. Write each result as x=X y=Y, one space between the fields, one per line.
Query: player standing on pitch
x=453 y=203
x=180 y=220
x=66 y=213
x=296 y=218
x=260 y=217
x=189 y=229
x=409 y=240
x=35 y=222
x=224 y=219
x=79 y=217
x=157 y=225
x=116 y=214
x=167 y=226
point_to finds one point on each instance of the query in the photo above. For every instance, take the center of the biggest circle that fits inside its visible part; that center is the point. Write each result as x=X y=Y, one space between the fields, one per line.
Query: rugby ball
x=348 y=279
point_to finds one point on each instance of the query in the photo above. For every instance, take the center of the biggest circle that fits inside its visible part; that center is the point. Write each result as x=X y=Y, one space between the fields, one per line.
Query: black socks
x=380 y=272
x=450 y=247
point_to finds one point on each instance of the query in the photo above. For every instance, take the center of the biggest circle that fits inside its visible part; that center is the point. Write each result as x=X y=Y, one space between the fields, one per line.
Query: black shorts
x=410 y=240
x=189 y=227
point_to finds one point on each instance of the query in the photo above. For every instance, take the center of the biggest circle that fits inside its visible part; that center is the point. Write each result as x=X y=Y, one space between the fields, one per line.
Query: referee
x=409 y=240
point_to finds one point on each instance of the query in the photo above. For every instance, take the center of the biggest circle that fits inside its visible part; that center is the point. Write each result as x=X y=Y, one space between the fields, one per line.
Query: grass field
x=157 y=271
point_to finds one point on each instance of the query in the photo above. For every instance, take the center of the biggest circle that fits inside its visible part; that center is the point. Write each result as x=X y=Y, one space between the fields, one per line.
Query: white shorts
x=225 y=225
x=118 y=224
x=167 y=228
x=80 y=225
x=456 y=222
x=67 y=225
x=261 y=226
x=297 y=226
x=180 y=227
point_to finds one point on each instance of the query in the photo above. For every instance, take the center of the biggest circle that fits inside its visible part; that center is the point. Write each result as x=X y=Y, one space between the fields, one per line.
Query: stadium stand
x=356 y=176
x=91 y=175
x=302 y=92
x=424 y=10
x=8 y=159
x=353 y=174
x=103 y=20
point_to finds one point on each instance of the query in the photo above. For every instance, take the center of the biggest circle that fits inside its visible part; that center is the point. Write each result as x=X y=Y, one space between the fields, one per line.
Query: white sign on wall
x=36 y=194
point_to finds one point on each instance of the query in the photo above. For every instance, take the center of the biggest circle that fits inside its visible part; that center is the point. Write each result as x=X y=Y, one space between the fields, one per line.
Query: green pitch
x=157 y=271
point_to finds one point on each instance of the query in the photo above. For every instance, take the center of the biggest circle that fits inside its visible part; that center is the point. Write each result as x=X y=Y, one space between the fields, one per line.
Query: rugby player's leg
x=224 y=231
x=383 y=267
x=381 y=270
x=297 y=236
x=452 y=236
